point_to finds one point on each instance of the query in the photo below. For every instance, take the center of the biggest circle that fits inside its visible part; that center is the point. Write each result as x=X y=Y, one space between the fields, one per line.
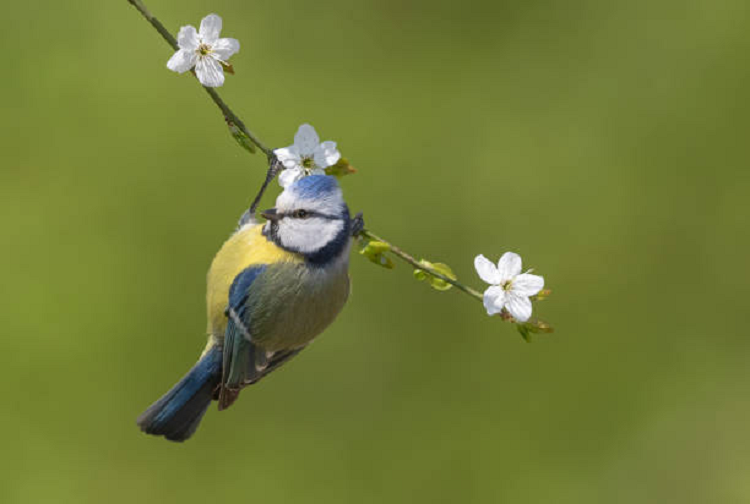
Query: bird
x=271 y=289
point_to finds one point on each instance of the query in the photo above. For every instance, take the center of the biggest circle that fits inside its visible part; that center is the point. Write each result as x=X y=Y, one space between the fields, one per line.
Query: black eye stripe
x=310 y=213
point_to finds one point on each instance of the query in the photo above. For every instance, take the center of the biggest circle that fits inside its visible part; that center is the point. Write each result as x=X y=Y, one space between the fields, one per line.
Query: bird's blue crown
x=314 y=187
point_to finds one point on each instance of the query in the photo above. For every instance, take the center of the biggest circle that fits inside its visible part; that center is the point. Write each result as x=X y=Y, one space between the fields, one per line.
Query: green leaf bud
x=241 y=137
x=341 y=168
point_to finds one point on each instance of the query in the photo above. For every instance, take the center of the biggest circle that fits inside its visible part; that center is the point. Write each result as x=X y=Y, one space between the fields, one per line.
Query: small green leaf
x=375 y=250
x=435 y=282
x=533 y=326
x=525 y=332
x=240 y=137
x=445 y=270
x=340 y=169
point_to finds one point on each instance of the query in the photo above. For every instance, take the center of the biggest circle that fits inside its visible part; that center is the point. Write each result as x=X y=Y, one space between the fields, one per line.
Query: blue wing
x=244 y=362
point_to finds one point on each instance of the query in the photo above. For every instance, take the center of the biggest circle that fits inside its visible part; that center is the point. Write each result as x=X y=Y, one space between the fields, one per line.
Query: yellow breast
x=245 y=248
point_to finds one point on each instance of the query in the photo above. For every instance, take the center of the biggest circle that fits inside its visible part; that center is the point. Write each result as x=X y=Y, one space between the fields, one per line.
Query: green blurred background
x=606 y=142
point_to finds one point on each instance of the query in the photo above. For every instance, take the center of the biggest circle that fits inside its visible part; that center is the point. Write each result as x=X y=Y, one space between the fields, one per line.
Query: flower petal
x=519 y=307
x=210 y=28
x=317 y=171
x=209 y=72
x=289 y=157
x=306 y=140
x=187 y=38
x=527 y=285
x=288 y=177
x=494 y=300
x=182 y=61
x=326 y=154
x=486 y=270
x=224 y=48
x=509 y=266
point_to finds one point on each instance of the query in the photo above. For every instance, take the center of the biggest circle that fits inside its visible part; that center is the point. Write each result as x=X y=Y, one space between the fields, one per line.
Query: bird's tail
x=177 y=414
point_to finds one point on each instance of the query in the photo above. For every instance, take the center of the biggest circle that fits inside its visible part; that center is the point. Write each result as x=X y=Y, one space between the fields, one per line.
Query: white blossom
x=307 y=156
x=203 y=50
x=509 y=288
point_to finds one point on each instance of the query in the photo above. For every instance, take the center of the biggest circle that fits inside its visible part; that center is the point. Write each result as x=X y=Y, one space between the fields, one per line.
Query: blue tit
x=272 y=288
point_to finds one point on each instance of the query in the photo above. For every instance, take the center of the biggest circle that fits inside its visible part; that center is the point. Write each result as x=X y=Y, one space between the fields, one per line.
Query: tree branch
x=229 y=116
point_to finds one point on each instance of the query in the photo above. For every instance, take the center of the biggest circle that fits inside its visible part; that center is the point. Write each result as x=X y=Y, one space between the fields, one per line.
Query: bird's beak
x=271 y=215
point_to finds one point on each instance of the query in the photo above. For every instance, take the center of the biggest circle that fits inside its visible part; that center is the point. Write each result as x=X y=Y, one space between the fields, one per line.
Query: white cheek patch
x=308 y=235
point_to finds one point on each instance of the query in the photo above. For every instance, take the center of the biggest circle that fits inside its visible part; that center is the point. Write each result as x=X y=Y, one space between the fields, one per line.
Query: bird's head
x=310 y=218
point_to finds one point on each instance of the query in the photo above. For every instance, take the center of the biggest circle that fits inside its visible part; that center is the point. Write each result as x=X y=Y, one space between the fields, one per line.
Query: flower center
x=308 y=163
x=507 y=285
x=204 y=50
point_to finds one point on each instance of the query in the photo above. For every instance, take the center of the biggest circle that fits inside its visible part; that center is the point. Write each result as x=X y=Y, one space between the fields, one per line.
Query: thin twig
x=231 y=116
x=274 y=168
x=155 y=23
x=417 y=265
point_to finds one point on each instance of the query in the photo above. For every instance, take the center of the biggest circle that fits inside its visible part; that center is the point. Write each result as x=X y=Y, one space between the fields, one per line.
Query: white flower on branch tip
x=306 y=157
x=509 y=288
x=203 y=50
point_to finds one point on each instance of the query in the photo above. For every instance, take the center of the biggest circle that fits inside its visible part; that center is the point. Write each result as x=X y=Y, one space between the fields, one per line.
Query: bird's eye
x=301 y=214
